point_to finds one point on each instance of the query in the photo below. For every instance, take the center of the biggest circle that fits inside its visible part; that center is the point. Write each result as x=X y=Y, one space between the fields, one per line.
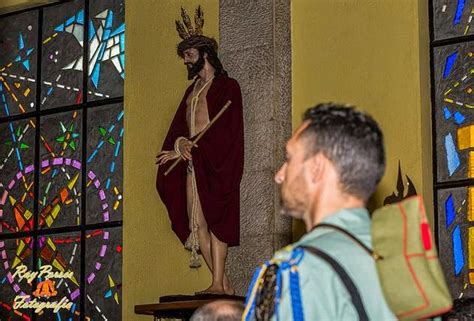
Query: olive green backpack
x=409 y=271
x=407 y=263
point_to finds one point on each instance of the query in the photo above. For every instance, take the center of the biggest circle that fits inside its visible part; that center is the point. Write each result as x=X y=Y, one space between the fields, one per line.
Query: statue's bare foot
x=213 y=289
x=228 y=288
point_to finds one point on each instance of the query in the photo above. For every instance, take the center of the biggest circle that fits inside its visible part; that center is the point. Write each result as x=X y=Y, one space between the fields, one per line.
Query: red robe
x=218 y=163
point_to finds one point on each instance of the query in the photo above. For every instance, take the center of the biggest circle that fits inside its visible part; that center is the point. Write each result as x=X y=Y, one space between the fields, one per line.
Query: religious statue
x=202 y=193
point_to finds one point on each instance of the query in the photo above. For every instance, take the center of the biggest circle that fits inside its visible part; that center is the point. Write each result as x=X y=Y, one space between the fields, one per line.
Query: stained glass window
x=61 y=146
x=452 y=60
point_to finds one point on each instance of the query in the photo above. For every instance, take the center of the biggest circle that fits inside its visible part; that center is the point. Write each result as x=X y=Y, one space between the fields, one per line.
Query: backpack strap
x=374 y=255
x=345 y=278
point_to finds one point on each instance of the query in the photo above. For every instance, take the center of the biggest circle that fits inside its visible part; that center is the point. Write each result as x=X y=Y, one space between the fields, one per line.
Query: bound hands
x=165 y=155
x=182 y=149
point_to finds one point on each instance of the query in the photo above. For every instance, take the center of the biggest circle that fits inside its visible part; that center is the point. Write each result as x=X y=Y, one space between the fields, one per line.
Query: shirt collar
x=354 y=220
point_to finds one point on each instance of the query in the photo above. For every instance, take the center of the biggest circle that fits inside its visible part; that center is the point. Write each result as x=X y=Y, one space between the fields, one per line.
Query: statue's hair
x=204 y=45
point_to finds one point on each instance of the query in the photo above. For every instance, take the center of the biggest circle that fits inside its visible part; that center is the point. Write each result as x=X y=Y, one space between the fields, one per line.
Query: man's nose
x=280 y=175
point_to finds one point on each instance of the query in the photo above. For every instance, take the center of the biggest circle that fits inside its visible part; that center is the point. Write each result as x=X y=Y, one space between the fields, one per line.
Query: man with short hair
x=202 y=193
x=334 y=162
x=220 y=310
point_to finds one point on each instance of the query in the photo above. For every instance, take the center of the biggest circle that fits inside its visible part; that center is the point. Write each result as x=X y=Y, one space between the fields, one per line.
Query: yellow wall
x=8 y=3
x=14 y=5
x=154 y=262
x=374 y=54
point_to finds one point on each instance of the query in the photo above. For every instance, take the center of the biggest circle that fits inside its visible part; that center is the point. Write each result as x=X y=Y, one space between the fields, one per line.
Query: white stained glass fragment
x=78 y=65
x=117 y=65
x=79 y=34
x=69 y=28
x=103 y=14
x=106 y=55
x=115 y=51
x=75 y=65
x=100 y=32
x=94 y=54
x=110 y=43
x=93 y=61
x=69 y=66
x=94 y=45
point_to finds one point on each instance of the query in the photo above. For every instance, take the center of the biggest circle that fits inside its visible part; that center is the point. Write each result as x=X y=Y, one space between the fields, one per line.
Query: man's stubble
x=294 y=197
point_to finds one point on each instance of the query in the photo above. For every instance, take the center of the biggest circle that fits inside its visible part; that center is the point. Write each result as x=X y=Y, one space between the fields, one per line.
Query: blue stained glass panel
x=450 y=210
x=458 y=252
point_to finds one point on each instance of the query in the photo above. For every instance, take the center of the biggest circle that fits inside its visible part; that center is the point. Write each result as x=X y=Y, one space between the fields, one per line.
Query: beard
x=290 y=210
x=292 y=203
x=195 y=68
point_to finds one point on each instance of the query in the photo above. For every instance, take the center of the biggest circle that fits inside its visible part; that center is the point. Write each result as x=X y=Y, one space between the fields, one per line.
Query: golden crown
x=185 y=28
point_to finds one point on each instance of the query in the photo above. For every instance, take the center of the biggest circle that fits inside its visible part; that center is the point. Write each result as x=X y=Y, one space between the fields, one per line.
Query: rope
x=194 y=246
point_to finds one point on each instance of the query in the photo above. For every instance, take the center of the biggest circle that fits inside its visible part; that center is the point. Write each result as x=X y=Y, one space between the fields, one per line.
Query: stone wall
x=255 y=47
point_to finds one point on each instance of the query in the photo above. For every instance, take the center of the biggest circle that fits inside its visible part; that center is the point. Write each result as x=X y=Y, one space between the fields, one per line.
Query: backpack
x=409 y=271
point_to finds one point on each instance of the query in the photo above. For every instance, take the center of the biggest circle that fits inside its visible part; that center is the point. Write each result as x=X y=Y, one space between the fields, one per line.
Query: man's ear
x=316 y=166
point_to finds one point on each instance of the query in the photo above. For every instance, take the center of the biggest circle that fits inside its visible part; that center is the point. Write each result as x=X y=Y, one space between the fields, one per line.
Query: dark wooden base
x=181 y=306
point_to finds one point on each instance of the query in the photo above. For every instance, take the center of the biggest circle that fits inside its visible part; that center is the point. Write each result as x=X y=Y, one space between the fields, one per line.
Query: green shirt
x=323 y=294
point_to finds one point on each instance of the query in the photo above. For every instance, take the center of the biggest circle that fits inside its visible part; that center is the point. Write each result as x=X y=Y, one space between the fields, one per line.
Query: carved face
x=194 y=62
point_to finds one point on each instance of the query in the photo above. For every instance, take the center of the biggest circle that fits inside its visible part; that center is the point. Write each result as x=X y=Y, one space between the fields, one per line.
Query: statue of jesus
x=202 y=193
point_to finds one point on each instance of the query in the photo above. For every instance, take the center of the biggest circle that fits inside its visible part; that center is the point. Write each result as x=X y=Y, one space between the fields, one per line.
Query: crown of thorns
x=185 y=28
x=192 y=36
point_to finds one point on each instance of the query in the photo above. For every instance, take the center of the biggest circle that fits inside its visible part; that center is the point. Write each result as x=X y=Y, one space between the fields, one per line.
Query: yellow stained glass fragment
x=49 y=220
x=470 y=206
x=470 y=172
x=111 y=282
x=55 y=211
x=466 y=137
x=58 y=265
x=51 y=244
x=471 y=248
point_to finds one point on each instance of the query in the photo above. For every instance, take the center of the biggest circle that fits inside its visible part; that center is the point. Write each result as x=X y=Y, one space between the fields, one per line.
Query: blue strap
x=249 y=315
x=295 y=290
x=252 y=284
x=296 y=304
